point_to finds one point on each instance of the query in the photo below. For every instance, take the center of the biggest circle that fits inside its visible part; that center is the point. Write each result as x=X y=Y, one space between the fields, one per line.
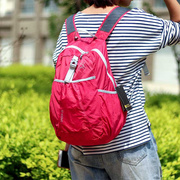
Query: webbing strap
x=106 y=27
x=111 y=20
x=70 y=27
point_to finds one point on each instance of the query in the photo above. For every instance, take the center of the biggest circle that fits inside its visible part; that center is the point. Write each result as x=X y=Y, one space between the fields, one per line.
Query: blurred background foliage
x=29 y=147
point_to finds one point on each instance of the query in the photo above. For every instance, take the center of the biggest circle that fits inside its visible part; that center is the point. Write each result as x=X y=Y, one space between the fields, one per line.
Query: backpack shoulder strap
x=71 y=28
x=111 y=20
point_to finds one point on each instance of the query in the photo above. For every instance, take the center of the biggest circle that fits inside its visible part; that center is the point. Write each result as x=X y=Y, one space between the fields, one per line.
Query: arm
x=174 y=9
x=59 y=45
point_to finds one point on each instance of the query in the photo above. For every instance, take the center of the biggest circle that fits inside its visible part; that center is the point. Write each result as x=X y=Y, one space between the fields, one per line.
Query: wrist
x=66 y=147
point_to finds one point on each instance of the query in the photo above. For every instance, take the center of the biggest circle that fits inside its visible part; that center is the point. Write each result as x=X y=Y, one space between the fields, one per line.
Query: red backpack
x=84 y=105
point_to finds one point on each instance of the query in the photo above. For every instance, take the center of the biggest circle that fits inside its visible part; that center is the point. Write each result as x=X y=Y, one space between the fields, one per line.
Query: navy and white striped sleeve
x=168 y=32
x=60 y=45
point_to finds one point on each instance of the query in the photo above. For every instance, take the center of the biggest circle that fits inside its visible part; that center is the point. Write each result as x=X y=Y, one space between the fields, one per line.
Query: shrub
x=164 y=113
x=29 y=147
x=25 y=78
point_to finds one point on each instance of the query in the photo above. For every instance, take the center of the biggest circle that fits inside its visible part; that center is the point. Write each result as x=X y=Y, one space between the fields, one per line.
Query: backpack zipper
x=76 y=81
x=101 y=56
x=77 y=48
x=105 y=63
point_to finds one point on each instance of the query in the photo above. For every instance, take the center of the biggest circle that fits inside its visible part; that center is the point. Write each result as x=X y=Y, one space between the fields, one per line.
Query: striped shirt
x=137 y=35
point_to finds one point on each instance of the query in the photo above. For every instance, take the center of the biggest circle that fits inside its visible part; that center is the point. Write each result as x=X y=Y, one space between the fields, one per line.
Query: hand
x=174 y=9
x=67 y=147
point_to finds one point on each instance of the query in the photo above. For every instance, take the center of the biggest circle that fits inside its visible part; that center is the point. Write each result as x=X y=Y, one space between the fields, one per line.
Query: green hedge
x=25 y=78
x=164 y=113
x=28 y=145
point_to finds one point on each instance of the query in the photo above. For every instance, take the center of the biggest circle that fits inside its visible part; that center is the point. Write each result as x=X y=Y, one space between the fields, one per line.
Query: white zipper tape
x=107 y=92
x=76 y=81
x=75 y=47
x=105 y=63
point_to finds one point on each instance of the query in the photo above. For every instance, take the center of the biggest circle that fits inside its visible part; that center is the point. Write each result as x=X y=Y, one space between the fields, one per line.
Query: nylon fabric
x=79 y=112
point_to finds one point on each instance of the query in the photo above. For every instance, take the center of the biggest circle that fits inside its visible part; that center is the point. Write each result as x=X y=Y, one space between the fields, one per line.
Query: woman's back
x=137 y=35
x=133 y=153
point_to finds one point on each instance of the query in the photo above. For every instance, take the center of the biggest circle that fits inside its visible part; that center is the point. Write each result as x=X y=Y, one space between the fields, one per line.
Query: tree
x=68 y=7
x=71 y=6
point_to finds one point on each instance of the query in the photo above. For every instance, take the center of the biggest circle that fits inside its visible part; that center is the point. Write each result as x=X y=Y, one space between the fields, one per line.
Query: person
x=132 y=155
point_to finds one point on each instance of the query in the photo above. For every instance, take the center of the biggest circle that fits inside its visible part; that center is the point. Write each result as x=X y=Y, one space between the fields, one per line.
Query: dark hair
x=101 y=3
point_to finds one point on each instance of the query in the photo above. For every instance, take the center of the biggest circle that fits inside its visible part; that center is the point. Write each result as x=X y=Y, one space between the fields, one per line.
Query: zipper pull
x=72 y=68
